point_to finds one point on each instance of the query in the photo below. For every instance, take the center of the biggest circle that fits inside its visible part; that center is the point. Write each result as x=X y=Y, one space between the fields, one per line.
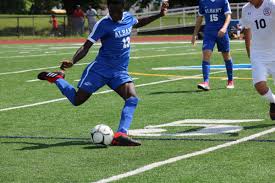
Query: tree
x=11 y=7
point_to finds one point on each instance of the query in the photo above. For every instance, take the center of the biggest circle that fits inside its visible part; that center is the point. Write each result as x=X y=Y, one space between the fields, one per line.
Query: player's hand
x=164 y=8
x=193 y=40
x=222 y=32
x=65 y=64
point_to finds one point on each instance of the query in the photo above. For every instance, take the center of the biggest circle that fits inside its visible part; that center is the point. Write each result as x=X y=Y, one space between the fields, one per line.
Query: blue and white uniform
x=214 y=12
x=111 y=64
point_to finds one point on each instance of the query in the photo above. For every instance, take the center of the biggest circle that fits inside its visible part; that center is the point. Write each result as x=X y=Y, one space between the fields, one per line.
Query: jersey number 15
x=214 y=18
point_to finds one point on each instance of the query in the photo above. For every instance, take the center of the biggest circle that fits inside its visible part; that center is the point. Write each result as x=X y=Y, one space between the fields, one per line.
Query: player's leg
x=123 y=85
x=260 y=73
x=76 y=98
x=223 y=45
x=207 y=49
x=128 y=93
x=229 y=69
x=89 y=83
x=205 y=70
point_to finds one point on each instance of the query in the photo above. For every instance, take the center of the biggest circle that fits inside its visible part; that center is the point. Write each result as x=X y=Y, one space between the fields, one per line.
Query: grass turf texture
x=54 y=159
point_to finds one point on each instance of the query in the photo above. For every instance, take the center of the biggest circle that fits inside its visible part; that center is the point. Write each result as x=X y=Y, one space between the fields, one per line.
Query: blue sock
x=229 y=69
x=66 y=89
x=205 y=70
x=127 y=114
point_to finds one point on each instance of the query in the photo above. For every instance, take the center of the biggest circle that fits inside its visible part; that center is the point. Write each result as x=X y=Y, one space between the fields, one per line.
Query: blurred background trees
x=44 y=6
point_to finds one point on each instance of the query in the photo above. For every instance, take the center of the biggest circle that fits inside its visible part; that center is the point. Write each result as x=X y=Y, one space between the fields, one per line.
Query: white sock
x=269 y=96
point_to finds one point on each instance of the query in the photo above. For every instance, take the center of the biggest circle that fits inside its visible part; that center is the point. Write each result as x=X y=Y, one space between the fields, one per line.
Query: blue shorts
x=211 y=38
x=96 y=76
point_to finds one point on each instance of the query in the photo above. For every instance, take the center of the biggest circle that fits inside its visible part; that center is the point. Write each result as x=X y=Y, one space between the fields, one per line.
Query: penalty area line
x=182 y=157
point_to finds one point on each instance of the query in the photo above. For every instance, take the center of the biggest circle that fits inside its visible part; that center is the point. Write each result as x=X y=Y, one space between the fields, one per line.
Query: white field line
x=37 y=69
x=182 y=157
x=106 y=91
x=49 y=53
x=38 y=55
x=53 y=67
x=28 y=50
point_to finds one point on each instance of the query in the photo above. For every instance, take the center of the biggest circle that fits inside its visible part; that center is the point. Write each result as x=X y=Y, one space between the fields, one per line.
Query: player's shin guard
x=66 y=89
x=205 y=70
x=229 y=69
x=127 y=114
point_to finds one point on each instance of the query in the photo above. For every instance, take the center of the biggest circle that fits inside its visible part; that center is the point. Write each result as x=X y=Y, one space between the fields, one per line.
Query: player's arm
x=144 y=21
x=247 y=39
x=225 y=25
x=196 y=30
x=80 y=53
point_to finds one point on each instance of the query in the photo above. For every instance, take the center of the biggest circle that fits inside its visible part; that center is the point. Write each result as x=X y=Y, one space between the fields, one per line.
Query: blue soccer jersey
x=115 y=40
x=214 y=12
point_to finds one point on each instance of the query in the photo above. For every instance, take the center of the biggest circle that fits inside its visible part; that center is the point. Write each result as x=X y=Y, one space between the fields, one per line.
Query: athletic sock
x=229 y=69
x=127 y=114
x=205 y=70
x=269 y=96
x=66 y=89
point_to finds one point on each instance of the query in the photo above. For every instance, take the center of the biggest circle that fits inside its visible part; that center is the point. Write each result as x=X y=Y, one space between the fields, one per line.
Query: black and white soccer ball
x=102 y=135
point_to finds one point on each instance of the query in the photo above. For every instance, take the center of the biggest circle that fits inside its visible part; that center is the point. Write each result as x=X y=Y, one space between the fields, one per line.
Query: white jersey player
x=258 y=19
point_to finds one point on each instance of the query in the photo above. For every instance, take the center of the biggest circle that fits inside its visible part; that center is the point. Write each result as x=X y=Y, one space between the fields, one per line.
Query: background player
x=217 y=15
x=258 y=19
x=110 y=66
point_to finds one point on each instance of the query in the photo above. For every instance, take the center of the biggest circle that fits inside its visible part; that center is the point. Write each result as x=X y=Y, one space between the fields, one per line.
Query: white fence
x=182 y=17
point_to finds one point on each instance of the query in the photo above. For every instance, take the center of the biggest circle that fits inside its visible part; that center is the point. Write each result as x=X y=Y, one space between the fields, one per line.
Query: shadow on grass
x=37 y=146
x=258 y=126
x=190 y=91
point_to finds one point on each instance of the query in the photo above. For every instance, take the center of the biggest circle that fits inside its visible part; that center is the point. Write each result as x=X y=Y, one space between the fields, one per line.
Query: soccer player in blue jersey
x=110 y=66
x=217 y=14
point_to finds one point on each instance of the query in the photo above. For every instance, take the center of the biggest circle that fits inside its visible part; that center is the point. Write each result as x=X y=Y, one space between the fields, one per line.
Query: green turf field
x=45 y=139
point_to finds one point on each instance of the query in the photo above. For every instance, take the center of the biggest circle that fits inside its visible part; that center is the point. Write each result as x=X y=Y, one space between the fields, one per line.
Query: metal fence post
x=17 y=27
x=33 y=31
x=64 y=26
x=183 y=18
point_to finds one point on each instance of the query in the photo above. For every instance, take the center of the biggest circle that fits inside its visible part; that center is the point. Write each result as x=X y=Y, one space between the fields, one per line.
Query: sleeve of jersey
x=201 y=10
x=243 y=20
x=97 y=33
x=135 y=20
x=227 y=9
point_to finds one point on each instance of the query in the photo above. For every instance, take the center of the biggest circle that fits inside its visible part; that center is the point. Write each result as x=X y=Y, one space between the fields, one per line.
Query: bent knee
x=78 y=103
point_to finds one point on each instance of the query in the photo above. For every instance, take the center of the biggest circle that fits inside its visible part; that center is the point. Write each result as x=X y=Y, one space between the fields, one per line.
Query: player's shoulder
x=128 y=17
x=247 y=6
x=127 y=14
x=272 y=3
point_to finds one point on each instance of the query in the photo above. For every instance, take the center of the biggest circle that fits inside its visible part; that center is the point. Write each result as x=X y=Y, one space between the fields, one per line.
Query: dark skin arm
x=144 y=21
x=247 y=38
x=80 y=53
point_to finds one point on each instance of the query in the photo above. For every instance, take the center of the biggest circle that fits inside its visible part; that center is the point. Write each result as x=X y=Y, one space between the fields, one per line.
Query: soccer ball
x=102 y=135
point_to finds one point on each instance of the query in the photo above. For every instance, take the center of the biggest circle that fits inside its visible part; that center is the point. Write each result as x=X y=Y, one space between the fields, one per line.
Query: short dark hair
x=115 y=2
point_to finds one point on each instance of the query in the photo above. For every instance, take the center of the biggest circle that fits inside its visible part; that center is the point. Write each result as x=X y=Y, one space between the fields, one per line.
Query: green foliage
x=14 y=6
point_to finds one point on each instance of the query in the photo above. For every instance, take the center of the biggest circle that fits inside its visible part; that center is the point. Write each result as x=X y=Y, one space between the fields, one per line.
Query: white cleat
x=230 y=85
x=204 y=86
